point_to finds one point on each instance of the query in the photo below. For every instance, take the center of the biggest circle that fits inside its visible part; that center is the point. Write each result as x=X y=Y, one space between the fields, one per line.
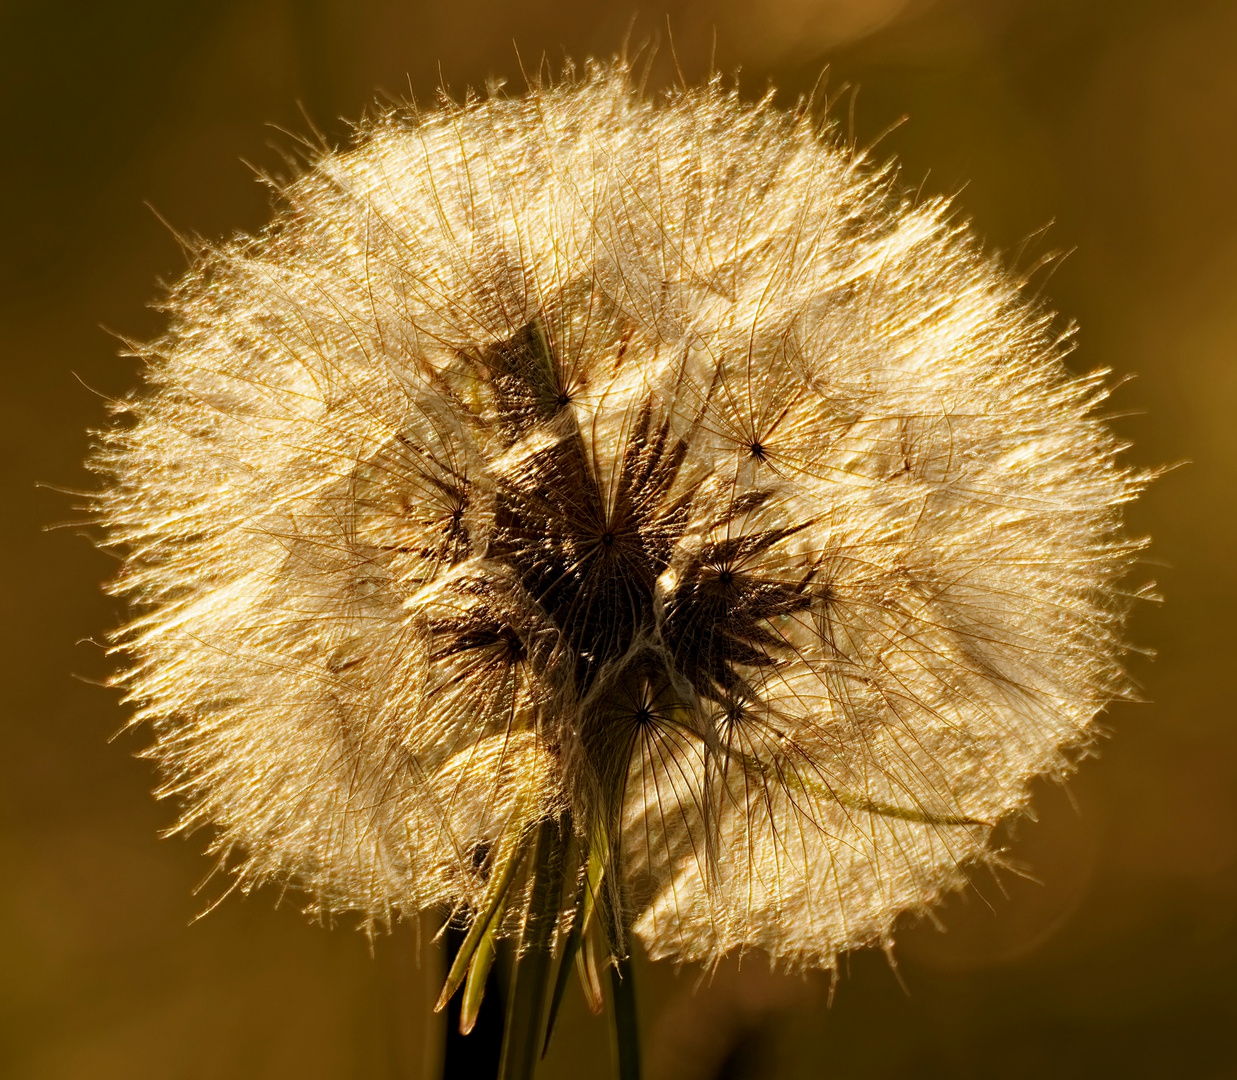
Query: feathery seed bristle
x=655 y=466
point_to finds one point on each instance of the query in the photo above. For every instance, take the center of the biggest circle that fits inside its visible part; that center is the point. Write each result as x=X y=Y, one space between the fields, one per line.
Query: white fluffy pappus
x=653 y=469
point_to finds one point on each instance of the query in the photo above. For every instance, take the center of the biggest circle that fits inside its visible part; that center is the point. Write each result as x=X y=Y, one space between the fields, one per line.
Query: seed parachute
x=595 y=516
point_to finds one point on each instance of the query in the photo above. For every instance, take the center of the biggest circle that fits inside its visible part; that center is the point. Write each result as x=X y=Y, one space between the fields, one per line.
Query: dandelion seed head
x=656 y=462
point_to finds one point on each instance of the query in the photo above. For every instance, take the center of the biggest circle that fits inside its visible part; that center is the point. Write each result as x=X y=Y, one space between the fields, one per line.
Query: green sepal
x=479 y=970
x=794 y=778
x=577 y=936
x=530 y=973
x=590 y=980
x=507 y=862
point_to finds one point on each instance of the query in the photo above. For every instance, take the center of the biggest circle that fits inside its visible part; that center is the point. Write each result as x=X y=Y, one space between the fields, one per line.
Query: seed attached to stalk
x=609 y=520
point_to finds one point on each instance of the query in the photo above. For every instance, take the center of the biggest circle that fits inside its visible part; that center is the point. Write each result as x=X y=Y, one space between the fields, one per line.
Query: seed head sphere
x=654 y=466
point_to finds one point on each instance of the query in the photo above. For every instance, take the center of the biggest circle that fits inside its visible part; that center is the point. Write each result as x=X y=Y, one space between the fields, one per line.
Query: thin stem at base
x=625 y=1027
x=530 y=974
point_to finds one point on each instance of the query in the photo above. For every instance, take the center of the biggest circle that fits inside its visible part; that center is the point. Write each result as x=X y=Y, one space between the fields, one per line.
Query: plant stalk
x=530 y=974
x=625 y=1028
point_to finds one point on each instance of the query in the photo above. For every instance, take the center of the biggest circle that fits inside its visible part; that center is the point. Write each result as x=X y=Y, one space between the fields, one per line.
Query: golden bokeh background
x=1114 y=122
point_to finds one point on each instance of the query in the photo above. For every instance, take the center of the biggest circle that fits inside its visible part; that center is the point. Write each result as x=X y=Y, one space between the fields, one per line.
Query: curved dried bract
x=656 y=465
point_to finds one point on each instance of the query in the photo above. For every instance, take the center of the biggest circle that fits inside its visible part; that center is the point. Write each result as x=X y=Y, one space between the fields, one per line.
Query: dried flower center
x=586 y=543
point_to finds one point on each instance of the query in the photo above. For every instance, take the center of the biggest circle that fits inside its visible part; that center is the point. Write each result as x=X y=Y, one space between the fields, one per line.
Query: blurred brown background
x=1113 y=120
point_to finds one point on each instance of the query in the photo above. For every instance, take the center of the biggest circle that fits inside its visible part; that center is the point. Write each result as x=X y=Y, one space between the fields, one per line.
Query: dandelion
x=596 y=517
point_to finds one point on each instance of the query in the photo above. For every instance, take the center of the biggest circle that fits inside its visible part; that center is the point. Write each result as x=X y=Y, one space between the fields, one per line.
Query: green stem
x=590 y=884
x=530 y=974
x=626 y=1029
